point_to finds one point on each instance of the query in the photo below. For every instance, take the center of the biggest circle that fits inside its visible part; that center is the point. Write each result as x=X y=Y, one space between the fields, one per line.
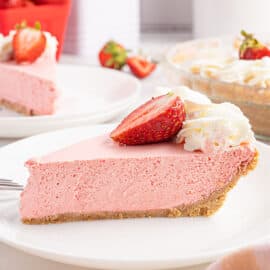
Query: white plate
x=135 y=243
x=89 y=95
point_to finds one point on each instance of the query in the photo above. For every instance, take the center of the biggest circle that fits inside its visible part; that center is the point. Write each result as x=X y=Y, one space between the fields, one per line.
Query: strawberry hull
x=28 y=44
x=112 y=55
x=251 y=48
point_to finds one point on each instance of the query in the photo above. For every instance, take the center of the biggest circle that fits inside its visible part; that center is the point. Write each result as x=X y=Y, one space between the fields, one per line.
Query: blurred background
x=156 y=24
x=135 y=23
x=149 y=24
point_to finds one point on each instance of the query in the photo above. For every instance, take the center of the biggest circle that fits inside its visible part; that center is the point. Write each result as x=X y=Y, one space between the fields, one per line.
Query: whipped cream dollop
x=6 y=49
x=253 y=73
x=220 y=60
x=209 y=126
x=51 y=48
x=185 y=93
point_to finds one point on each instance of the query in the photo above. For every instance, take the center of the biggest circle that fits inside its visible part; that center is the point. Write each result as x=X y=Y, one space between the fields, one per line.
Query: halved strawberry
x=140 y=66
x=28 y=43
x=251 y=48
x=155 y=121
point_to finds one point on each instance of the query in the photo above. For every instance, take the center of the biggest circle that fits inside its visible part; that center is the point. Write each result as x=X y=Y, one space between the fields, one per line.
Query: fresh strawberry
x=28 y=43
x=140 y=67
x=113 y=55
x=157 y=120
x=251 y=48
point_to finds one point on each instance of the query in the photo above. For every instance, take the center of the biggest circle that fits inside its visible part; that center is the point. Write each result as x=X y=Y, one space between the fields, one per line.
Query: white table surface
x=12 y=259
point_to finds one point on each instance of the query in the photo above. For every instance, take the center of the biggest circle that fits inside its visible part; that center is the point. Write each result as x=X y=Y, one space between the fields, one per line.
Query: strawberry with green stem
x=113 y=55
x=28 y=43
x=251 y=48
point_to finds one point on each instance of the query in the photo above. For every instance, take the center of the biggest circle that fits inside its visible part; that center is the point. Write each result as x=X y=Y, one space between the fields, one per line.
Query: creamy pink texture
x=30 y=85
x=99 y=175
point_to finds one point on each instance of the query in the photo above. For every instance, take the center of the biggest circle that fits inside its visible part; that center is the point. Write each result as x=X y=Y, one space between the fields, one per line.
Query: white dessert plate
x=156 y=243
x=88 y=95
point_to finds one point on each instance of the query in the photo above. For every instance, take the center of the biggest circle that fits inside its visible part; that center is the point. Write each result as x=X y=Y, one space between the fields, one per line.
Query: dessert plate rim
x=15 y=125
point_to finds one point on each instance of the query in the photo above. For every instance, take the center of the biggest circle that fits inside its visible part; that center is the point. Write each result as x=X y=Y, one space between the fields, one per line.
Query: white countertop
x=11 y=259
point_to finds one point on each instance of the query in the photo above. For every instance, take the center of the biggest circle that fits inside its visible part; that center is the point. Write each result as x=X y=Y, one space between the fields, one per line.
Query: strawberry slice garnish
x=113 y=55
x=140 y=67
x=251 y=48
x=155 y=121
x=28 y=43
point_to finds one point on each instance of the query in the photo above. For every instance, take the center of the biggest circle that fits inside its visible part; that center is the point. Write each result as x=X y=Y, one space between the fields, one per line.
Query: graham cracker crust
x=205 y=207
x=17 y=107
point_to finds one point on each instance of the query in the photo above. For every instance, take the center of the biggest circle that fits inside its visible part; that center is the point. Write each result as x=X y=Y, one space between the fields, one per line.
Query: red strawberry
x=28 y=43
x=251 y=48
x=113 y=55
x=140 y=67
x=157 y=120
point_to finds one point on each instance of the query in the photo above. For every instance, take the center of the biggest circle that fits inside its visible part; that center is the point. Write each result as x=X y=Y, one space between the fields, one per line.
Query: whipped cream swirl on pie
x=213 y=127
x=209 y=126
x=51 y=47
x=253 y=73
x=185 y=93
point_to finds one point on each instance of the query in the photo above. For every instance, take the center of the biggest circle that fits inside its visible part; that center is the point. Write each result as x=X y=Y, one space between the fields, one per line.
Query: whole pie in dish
x=227 y=69
x=27 y=71
x=176 y=155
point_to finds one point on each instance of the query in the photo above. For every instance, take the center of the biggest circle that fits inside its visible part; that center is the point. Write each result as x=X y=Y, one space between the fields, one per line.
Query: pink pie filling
x=99 y=175
x=30 y=86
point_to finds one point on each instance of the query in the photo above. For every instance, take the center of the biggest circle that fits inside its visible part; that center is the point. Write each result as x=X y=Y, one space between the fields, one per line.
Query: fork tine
x=12 y=184
x=2 y=188
x=5 y=180
x=8 y=184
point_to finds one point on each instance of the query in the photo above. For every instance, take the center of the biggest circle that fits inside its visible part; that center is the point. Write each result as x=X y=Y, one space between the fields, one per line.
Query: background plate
x=135 y=243
x=89 y=95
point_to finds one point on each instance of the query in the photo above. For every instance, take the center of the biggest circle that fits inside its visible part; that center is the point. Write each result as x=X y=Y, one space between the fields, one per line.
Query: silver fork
x=8 y=184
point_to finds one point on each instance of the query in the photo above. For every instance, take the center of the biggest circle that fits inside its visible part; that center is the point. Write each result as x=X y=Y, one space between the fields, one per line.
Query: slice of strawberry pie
x=27 y=71
x=171 y=157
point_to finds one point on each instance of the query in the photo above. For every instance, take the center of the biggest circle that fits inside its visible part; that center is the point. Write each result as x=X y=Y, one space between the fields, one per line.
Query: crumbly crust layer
x=232 y=91
x=205 y=207
x=19 y=108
